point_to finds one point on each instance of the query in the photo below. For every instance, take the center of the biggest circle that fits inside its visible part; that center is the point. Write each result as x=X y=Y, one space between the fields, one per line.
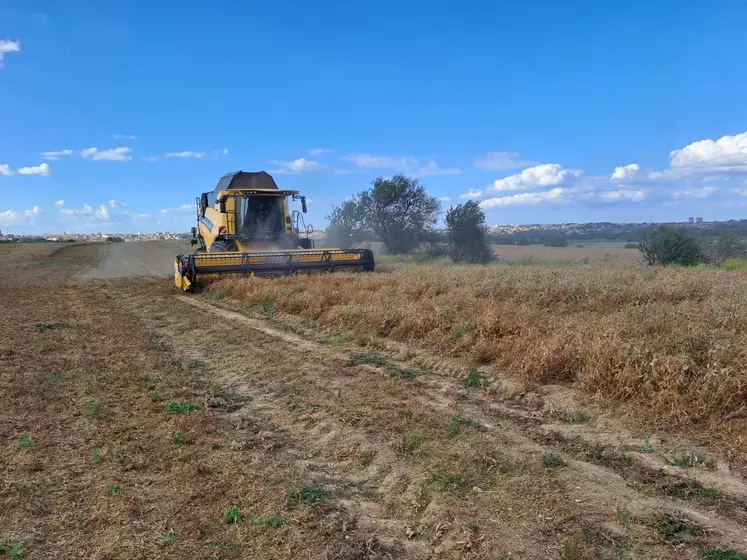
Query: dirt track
x=138 y=258
x=331 y=448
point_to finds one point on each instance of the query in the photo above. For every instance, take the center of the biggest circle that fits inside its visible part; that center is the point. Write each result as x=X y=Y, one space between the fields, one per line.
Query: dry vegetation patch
x=670 y=342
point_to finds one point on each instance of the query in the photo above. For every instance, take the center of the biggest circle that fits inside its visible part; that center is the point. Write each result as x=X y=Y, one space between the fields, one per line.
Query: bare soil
x=330 y=447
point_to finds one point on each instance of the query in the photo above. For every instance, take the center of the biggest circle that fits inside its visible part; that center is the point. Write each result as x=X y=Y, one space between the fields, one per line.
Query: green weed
x=181 y=407
x=155 y=397
x=411 y=443
x=337 y=338
x=179 y=439
x=552 y=461
x=220 y=296
x=309 y=494
x=473 y=380
x=474 y=527
x=12 y=548
x=113 y=489
x=453 y=484
x=25 y=443
x=370 y=359
x=232 y=515
x=215 y=445
x=623 y=515
x=268 y=306
x=686 y=458
x=96 y=456
x=720 y=554
x=93 y=410
x=458 y=332
x=457 y=424
x=169 y=538
x=673 y=527
x=409 y=414
x=273 y=520
x=361 y=340
x=647 y=447
x=576 y=415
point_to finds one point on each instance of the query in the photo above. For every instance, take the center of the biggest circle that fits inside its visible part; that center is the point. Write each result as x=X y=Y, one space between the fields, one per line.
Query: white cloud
x=622 y=195
x=472 y=193
x=297 y=166
x=445 y=199
x=196 y=155
x=11 y=217
x=630 y=172
x=320 y=151
x=60 y=203
x=694 y=193
x=102 y=213
x=496 y=161
x=432 y=169
x=5 y=170
x=368 y=161
x=183 y=209
x=44 y=170
x=115 y=204
x=53 y=156
x=6 y=47
x=225 y=151
x=540 y=176
x=151 y=158
x=727 y=151
x=556 y=195
x=112 y=154
x=85 y=210
x=125 y=137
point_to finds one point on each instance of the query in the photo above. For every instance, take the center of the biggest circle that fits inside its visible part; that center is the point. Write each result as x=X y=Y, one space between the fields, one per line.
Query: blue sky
x=114 y=116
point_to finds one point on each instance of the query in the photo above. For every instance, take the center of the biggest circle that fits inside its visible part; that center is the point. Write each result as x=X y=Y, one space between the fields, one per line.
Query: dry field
x=418 y=412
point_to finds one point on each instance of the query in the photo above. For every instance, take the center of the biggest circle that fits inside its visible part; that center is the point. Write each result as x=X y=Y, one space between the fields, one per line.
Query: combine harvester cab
x=245 y=228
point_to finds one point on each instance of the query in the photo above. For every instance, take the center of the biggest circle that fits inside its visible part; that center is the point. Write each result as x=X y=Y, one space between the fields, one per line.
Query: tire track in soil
x=382 y=473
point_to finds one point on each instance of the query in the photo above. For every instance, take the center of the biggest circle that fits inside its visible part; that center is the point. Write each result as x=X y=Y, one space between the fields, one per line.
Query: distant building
x=691 y=220
x=698 y=220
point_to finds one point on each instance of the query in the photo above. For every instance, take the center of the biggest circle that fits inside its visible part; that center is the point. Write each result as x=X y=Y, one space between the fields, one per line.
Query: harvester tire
x=222 y=247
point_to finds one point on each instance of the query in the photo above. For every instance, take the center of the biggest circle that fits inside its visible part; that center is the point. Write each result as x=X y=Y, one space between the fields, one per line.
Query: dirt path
x=328 y=448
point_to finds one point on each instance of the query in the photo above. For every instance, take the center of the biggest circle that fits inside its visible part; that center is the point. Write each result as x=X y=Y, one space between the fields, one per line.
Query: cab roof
x=246 y=180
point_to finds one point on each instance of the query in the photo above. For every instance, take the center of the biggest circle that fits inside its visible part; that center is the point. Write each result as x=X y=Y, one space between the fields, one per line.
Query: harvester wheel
x=222 y=247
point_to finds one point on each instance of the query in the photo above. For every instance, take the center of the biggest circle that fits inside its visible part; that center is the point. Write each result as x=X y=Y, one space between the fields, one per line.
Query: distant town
x=607 y=230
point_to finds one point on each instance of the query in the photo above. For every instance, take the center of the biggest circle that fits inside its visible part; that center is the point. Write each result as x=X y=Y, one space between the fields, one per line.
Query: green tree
x=465 y=225
x=668 y=245
x=347 y=224
x=399 y=212
x=727 y=246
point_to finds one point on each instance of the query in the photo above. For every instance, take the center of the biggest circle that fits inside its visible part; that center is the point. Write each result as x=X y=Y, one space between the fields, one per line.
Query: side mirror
x=222 y=206
x=194 y=232
x=203 y=202
x=303 y=204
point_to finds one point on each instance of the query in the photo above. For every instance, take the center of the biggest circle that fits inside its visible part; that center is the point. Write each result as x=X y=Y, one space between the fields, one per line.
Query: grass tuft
x=180 y=407
x=473 y=380
x=576 y=415
x=25 y=443
x=552 y=461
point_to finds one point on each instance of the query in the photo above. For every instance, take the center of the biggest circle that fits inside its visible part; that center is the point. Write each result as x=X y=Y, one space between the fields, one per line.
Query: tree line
x=399 y=212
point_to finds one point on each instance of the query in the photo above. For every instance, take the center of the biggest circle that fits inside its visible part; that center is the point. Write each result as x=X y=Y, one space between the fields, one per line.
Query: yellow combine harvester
x=244 y=227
